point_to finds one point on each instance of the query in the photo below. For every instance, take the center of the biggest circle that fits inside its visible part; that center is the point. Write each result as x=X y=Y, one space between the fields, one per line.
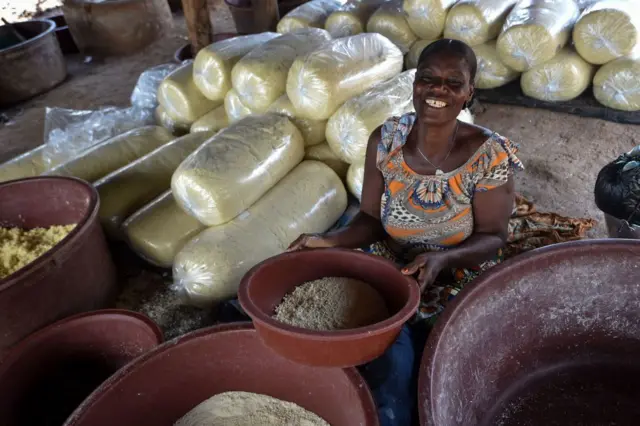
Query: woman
x=437 y=200
x=438 y=193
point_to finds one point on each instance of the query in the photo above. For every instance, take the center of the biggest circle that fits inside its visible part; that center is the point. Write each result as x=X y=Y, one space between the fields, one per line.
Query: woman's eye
x=455 y=83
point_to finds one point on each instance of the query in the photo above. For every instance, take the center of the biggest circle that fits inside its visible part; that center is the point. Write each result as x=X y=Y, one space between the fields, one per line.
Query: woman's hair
x=451 y=47
x=617 y=190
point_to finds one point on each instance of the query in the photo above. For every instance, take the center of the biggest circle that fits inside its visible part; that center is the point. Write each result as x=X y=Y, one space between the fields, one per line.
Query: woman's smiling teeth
x=435 y=104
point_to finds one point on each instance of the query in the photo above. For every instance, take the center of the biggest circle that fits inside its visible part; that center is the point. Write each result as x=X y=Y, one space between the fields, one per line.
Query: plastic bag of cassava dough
x=312 y=130
x=131 y=187
x=230 y=172
x=427 y=17
x=352 y=18
x=355 y=179
x=325 y=154
x=321 y=81
x=308 y=200
x=113 y=154
x=213 y=121
x=181 y=98
x=535 y=31
x=26 y=165
x=563 y=78
x=234 y=107
x=607 y=30
x=617 y=84
x=145 y=94
x=260 y=77
x=160 y=229
x=492 y=72
x=311 y=14
x=213 y=64
x=477 y=21
x=175 y=127
x=349 y=129
x=390 y=21
x=411 y=59
x=69 y=132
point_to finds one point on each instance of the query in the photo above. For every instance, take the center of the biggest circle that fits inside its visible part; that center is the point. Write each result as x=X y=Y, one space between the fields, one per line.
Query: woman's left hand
x=428 y=266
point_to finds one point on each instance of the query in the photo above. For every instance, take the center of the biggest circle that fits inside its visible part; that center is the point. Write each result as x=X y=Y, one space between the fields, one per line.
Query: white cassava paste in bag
x=114 y=153
x=213 y=64
x=320 y=82
x=236 y=167
x=260 y=77
x=310 y=199
x=160 y=229
x=181 y=99
x=349 y=129
x=130 y=188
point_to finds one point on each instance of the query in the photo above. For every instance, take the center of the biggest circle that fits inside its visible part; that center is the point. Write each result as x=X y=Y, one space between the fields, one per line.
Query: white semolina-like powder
x=332 y=303
x=249 y=409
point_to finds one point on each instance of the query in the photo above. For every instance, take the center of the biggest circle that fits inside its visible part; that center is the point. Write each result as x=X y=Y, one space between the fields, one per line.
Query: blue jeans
x=392 y=380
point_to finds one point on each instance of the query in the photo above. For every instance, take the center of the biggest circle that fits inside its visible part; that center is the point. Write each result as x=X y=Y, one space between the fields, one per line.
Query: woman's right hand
x=311 y=241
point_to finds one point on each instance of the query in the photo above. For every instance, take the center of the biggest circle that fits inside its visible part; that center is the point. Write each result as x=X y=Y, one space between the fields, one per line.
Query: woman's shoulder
x=480 y=139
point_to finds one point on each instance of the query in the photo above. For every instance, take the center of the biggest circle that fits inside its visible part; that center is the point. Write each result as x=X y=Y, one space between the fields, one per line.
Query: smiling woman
x=438 y=199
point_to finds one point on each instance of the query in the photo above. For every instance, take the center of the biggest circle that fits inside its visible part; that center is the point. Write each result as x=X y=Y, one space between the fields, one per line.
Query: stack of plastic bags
x=321 y=81
x=131 y=187
x=209 y=268
x=213 y=64
x=411 y=60
x=390 y=21
x=608 y=30
x=535 y=31
x=260 y=77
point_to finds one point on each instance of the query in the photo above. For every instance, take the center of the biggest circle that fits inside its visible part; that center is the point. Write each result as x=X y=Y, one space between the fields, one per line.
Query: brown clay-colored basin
x=263 y=288
x=46 y=376
x=75 y=276
x=163 y=385
x=548 y=338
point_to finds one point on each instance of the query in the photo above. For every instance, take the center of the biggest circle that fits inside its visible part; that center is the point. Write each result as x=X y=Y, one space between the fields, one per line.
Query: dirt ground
x=562 y=153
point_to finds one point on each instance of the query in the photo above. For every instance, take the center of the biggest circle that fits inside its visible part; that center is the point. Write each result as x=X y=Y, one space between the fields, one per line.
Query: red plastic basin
x=75 y=276
x=163 y=385
x=46 y=376
x=548 y=338
x=263 y=288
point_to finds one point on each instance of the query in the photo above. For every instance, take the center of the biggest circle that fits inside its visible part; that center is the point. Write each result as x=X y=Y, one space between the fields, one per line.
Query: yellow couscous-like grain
x=20 y=247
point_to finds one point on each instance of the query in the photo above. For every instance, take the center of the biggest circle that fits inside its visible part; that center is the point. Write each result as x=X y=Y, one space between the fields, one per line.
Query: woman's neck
x=435 y=141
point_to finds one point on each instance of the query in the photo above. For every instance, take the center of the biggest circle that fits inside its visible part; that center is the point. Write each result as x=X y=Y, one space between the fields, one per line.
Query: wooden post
x=265 y=15
x=196 y=14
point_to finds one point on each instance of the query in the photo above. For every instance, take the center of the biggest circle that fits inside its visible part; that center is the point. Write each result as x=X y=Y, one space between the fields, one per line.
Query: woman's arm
x=366 y=228
x=492 y=211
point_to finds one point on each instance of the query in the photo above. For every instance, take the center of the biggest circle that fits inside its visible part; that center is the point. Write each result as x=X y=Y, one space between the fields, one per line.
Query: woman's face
x=442 y=86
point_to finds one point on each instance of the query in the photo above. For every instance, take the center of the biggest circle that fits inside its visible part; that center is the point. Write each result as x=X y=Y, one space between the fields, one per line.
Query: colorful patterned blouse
x=428 y=213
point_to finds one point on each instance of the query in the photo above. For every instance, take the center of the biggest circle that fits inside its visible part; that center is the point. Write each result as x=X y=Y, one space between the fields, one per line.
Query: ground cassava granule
x=20 y=247
x=332 y=303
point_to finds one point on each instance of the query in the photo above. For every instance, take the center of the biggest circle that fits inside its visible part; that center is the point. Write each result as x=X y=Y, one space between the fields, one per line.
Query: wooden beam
x=265 y=15
x=196 y=14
